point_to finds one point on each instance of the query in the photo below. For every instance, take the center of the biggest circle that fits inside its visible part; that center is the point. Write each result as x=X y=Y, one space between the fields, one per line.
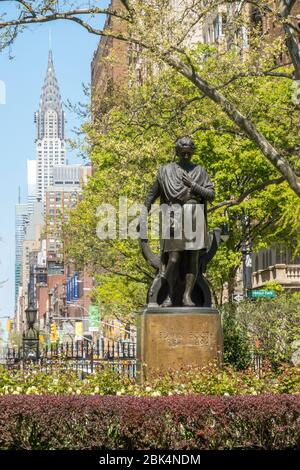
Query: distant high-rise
x=31 y=185
x=21 y=214
x=50 y=142
x=66 y=175
x=62 y=196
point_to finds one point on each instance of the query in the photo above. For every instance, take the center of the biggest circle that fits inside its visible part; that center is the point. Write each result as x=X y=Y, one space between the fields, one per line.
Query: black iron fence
x=84 y=357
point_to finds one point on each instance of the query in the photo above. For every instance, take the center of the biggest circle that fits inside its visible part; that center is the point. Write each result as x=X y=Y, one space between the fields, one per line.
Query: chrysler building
x=50 y=124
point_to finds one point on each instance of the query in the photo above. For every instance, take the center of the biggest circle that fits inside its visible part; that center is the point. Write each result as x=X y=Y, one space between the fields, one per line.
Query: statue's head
x=184 y=147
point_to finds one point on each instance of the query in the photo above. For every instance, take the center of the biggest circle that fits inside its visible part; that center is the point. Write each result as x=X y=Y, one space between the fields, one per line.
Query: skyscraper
x=50 y=122
x=21 y=220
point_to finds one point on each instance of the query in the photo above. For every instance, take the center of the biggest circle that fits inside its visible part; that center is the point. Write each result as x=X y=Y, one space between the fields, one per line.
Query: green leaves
x=137 y=135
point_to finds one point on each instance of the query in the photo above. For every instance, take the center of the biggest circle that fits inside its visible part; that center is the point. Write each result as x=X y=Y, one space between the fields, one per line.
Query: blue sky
x=23 y=76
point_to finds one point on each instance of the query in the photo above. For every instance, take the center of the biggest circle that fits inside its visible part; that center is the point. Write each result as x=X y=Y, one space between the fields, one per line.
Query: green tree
x=273 y=325
x=237 y=345
x=137 y=135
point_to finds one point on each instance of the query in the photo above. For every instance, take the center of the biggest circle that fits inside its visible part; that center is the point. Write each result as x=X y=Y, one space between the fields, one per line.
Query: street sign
x=256 y=294
x=237 y=297
x=94 y=318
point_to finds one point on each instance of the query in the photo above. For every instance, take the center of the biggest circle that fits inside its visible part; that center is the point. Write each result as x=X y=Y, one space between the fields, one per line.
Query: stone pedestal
x=178 y=337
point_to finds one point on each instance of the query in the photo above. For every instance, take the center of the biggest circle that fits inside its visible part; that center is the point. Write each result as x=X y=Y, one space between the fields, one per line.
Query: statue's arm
x=206 y=189
x=152 y=195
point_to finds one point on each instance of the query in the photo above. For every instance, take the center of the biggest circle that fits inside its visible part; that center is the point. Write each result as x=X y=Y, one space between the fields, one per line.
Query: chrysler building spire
x=50 y=122
x=50 y=101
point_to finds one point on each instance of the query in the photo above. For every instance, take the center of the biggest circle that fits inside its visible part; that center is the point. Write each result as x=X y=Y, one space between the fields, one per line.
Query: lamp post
x=31 y=336
x=246 y=245
x=225 y=234
x=246 y=254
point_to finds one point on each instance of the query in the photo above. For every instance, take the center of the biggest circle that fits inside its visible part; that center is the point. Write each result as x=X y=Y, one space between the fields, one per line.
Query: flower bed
x=178 y=422
x=206 y=381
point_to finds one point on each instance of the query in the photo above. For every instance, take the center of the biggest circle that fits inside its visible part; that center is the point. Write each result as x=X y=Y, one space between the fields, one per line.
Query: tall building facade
x=21 y=220
x=50 y=127
x=61 y=197
x=110 y=63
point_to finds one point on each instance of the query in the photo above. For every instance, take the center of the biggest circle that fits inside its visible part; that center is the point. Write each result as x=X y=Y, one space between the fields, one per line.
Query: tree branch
x=244 y=195
x=67 y=15
x=278 y=161
x=266 y=73
x=27 y=6
x=126 y=5
x=220 y=130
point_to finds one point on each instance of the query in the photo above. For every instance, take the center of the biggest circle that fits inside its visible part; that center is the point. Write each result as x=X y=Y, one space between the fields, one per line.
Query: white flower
x=148 y=389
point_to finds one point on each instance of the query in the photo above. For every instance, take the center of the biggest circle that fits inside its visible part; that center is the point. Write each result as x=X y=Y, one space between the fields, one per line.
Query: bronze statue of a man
x=186 y=186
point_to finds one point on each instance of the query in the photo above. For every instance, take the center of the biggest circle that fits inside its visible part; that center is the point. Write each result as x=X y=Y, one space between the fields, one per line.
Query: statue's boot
x=168 y=302
x=169 y=275
x=189 y=286
x=154 y=290
x=187 y=302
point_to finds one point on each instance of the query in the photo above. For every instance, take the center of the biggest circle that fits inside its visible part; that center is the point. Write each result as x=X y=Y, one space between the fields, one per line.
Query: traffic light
x=53 y=333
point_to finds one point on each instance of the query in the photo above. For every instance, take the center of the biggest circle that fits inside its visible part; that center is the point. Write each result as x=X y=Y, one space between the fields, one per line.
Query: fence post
x=92 y=357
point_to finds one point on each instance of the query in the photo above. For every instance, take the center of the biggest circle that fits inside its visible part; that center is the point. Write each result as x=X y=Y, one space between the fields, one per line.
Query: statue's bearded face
x=185 y=148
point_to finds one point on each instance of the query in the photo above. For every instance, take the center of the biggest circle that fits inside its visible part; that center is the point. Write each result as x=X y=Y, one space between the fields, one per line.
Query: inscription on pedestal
x=176 y=340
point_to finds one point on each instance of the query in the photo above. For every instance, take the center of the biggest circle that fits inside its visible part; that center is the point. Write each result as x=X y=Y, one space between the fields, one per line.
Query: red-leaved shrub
x=177 y=422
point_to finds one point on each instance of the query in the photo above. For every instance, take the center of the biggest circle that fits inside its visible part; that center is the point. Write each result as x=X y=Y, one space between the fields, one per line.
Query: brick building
x=110 y=64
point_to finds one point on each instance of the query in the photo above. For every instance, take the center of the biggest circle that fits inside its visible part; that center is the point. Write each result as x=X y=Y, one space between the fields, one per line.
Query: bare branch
x=67 y=15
